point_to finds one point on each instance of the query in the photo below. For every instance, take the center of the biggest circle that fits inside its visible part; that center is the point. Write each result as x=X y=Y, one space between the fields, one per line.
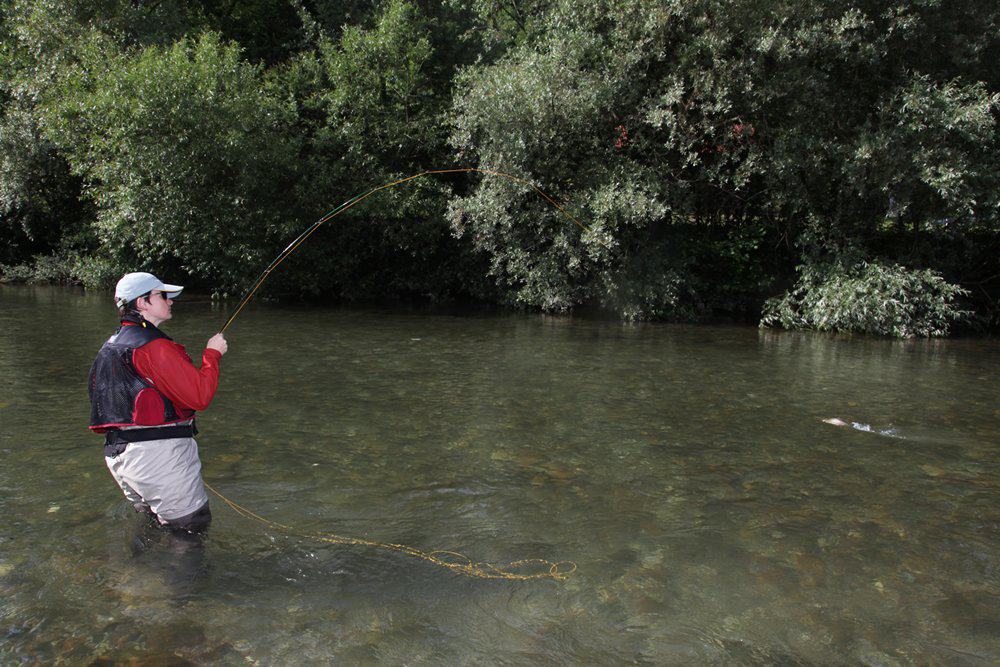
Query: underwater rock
x=812 y=570
x=559 y=474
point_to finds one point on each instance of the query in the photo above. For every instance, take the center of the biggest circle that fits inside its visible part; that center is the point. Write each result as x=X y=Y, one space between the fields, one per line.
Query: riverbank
x=876 y=300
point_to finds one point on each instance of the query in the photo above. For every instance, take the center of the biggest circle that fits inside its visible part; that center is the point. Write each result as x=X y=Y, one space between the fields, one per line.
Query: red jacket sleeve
x=169 y=367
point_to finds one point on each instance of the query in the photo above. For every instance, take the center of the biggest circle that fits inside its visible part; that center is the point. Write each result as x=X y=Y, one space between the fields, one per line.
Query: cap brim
x=172 y=291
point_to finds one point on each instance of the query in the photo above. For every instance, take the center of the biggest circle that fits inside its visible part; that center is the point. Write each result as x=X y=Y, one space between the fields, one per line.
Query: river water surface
x=714 y=518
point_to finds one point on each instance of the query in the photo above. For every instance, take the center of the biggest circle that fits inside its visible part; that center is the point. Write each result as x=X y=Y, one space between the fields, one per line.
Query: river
x=713 y=517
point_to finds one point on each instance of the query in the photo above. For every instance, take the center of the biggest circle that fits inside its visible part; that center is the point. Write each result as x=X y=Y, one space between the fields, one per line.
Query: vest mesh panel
x=114 y=382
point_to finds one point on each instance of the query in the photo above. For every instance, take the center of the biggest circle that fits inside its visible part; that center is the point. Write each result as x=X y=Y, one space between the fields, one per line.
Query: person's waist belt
x=144 y=434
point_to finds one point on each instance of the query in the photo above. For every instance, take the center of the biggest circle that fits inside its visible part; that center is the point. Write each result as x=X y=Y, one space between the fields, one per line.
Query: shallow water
x=686 y=470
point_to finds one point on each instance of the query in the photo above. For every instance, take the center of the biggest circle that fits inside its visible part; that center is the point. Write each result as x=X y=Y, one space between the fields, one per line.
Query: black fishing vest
x=115 y=386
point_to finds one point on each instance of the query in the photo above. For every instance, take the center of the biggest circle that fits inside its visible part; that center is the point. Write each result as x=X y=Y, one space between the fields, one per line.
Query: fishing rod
x=300 y=239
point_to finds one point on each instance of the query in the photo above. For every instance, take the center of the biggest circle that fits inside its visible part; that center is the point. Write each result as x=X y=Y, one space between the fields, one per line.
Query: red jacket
x=172 y=372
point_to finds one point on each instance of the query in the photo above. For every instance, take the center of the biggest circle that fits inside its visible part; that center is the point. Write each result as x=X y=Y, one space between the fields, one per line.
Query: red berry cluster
x=623 y=139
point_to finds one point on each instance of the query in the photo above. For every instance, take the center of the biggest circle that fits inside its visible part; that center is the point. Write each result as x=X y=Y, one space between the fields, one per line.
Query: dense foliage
x=828 y=165
x=868 y=298
x=179 y=147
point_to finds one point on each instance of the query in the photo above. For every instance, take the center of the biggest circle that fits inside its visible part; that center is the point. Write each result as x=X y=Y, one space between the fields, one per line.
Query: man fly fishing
x=144 y=391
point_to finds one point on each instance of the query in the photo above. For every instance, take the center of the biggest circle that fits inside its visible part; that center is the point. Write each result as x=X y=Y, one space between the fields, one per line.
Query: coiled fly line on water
x=452 y=560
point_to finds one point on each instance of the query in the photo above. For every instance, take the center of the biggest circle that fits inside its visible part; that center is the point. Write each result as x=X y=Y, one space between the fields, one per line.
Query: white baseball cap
x=134 y=285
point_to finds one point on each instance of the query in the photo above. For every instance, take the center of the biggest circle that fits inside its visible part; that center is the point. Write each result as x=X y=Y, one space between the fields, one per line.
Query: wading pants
x=163 y=477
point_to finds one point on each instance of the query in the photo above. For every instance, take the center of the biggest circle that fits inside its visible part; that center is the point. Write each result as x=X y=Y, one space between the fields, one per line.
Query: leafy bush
x=54 y=268
x=67 y=264
x=16 y=273
x=869 y=297
x=97 y=271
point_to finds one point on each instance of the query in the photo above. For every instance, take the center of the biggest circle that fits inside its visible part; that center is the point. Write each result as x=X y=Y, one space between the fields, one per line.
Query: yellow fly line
x=537 y=568
x=452 y=560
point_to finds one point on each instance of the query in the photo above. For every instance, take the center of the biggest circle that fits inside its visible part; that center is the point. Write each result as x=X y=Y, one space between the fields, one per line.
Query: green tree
x=696 y=137
x=185 y=152
x=39 y=207
x=370 y=105
x=39 y=210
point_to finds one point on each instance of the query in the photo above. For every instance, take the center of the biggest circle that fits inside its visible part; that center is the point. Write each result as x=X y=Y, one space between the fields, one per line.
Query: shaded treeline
x=827 y=165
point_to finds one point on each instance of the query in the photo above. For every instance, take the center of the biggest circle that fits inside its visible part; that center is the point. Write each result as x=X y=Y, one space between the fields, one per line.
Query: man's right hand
x=218 y=342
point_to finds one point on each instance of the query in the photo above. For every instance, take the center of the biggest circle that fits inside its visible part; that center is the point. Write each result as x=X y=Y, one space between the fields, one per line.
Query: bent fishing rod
x=300 y=239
